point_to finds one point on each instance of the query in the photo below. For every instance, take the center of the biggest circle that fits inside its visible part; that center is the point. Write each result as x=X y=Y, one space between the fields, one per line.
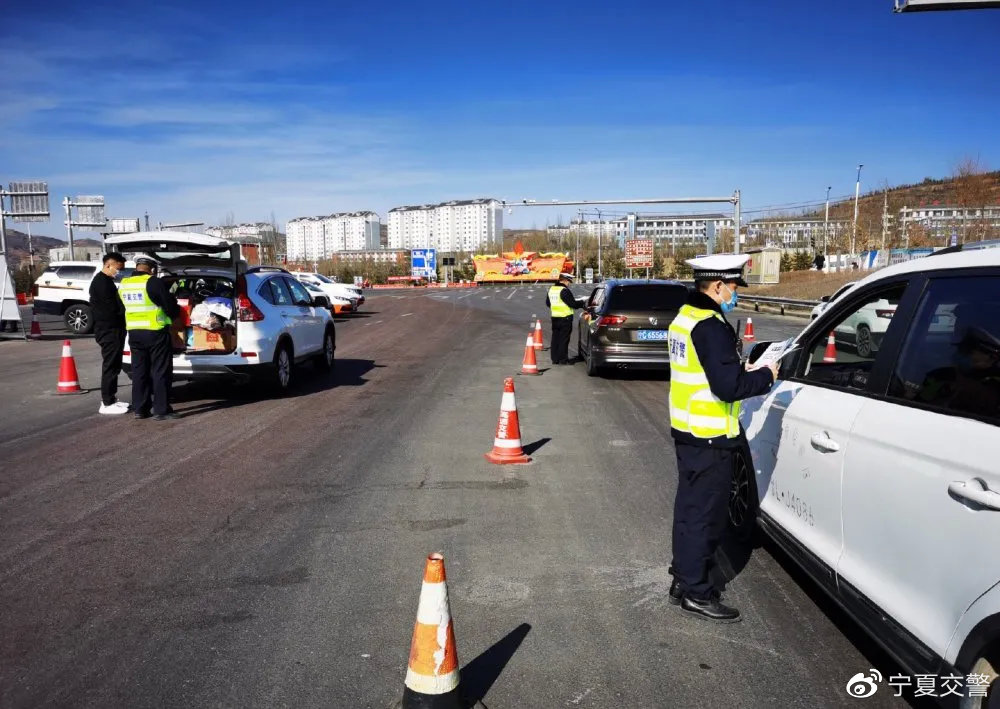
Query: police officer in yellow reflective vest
x=149 y=308
x=707 y=382
x=562 y=303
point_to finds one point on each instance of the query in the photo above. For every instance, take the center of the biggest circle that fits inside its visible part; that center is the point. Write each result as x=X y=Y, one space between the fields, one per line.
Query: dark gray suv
x=625 y=324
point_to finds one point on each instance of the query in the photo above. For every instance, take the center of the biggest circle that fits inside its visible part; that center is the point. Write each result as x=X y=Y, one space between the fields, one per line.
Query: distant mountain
x=17 y=245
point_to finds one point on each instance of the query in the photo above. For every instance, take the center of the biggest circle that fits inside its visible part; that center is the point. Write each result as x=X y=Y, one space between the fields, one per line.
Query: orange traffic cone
x=68 y=381
x=36 y=329
x=831 y=349
x=432 y=673
x=507 y=442
x=748 y=331
x=538 y=344
x=529 y=365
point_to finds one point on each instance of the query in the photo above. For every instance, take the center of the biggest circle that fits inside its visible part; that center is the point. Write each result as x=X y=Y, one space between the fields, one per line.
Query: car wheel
x=743 y=500
x=864 y=341
x=79 y=319
x=283 y=363
x=989 y=666
x=324 y=361
x=592 y=369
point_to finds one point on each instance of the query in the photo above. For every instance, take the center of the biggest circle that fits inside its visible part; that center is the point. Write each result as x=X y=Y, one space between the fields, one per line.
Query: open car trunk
x=203 y=273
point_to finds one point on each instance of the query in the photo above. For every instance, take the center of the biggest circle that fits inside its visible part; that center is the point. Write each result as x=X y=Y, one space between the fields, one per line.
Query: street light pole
x=600 y=261
x=857 y=192
x=826 y=227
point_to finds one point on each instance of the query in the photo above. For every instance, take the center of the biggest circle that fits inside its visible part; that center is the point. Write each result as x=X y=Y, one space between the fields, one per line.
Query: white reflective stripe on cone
x=67 y=351
x=69 y=384
x=510 y=443
x=507 y=402
x=433 y=608
x=424 y=684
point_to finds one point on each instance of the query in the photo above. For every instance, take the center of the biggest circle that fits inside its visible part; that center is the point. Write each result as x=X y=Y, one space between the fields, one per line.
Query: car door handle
x=822 y=442
x=976 y=491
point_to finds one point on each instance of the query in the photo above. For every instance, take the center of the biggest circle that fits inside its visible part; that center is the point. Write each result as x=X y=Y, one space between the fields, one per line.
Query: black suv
x=625 y=324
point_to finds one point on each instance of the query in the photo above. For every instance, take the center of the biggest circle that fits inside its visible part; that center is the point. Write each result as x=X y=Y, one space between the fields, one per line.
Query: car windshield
x=652 y=296
x=322 y=279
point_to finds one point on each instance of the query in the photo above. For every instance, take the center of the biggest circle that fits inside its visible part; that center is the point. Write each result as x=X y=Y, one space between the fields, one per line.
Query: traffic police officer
x=707 y=382
x=149 y=307
x=562 y=304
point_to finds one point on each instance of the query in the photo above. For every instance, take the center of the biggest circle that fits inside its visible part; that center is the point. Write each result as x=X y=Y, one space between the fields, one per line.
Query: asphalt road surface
x=265 y=552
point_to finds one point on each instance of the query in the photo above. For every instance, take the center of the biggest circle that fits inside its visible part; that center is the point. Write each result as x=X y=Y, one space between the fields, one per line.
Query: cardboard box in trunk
x=220 y=340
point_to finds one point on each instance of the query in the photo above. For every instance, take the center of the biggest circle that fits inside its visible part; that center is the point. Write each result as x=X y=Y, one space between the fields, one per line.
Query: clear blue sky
x=194 y=110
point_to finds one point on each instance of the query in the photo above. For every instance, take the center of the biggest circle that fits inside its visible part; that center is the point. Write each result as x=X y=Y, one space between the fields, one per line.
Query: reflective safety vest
x=141 y=313
x=694 y=408
x=558 y=307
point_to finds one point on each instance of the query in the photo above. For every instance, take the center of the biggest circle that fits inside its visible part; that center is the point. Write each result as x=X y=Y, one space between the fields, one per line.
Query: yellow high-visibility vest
x=556 y=304
x=141 y=313
x=694 y=408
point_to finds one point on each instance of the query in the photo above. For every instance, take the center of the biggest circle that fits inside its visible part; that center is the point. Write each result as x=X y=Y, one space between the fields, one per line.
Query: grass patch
x=806 y=285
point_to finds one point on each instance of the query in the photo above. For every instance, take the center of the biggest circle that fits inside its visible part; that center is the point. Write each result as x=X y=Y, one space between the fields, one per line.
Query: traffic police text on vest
x=141 y=313
x=707 y=383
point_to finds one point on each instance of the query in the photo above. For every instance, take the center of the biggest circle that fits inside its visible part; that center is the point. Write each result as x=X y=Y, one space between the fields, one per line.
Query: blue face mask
x=729 y=305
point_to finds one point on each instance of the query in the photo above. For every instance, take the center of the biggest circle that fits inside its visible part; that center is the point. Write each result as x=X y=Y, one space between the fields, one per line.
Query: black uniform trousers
x=562 y=329
x=152 y=370
x=112 y=343
x=701 y=512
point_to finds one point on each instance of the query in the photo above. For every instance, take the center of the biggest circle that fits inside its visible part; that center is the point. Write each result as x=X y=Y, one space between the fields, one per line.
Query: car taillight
x=248 y=312
x=612 y=320
x=884 y=313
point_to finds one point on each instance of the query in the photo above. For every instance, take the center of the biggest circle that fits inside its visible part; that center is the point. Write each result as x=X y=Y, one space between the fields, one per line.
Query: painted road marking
x=512 y=293
x=485 y=297
x=406 y=315
x=465 y=296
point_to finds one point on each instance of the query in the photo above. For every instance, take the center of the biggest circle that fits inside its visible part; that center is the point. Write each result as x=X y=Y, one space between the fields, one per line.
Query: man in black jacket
x=109 y=330
x=561 y=302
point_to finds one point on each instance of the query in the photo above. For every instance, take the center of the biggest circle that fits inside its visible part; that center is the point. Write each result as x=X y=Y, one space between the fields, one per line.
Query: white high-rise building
x=459 y=225
x=317 y=238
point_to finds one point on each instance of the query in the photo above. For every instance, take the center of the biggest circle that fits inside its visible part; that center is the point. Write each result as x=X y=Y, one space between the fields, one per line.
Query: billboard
x=520 y=266
x=922 y=5
x=423 y=263
x=32 y=206
x=638 y=253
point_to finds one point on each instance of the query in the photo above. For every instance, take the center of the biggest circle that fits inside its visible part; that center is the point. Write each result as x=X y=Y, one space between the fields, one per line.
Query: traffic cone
x=507 y=442
x=830 y=355
x=432 y=672
x=748 y=331
x=68 y=381
x=36 y=329
x=529 y=365
x=538 y=344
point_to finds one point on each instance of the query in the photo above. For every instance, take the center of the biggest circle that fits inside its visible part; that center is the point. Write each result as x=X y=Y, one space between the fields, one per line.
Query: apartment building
x=318 y=238
x=800 y=233
x=942 y=220
x=458 y=225
x=672 y=228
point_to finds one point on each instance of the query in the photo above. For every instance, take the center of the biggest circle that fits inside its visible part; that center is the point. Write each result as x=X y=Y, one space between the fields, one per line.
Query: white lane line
x=485 y=297
x=513 y=293
x=406 y=315
x=465 y=296
x=379 y=322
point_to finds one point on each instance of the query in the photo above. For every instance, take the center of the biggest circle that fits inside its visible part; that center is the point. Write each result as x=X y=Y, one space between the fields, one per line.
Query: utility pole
x=885 y=216
x=857 y=193
x=147 y=221
x=600 y=261
x=69 y=227
x=578 y=225
x=826 y=227
x=736 y=219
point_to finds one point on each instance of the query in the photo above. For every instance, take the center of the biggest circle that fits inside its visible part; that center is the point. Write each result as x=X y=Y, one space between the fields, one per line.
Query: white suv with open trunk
x=272 y=324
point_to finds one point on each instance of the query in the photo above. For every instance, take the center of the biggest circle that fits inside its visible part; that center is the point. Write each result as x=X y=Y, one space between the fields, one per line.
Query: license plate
x=647 y=335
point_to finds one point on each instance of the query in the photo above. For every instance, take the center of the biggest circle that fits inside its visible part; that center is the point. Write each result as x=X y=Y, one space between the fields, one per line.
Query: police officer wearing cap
x=149 y=308
x=562 y=304
x=707 y=383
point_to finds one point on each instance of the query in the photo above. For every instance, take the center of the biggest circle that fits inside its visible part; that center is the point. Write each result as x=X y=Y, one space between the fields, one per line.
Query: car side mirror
x=825 y=299
x=321 y=301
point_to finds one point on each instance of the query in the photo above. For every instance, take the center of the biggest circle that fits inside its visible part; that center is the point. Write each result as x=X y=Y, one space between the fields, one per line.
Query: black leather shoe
x=676 y=595
x=166 y=417
x=139 y=415
x=711 y=610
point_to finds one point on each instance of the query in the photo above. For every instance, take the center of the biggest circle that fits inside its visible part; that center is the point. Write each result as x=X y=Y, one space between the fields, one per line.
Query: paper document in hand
x=774 y=352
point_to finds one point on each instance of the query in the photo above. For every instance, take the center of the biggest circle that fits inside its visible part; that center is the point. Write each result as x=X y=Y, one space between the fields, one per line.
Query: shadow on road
x=530 y=448
x=480 y=674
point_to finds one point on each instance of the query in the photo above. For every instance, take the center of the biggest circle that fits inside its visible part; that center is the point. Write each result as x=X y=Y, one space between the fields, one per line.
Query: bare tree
x=973 y=189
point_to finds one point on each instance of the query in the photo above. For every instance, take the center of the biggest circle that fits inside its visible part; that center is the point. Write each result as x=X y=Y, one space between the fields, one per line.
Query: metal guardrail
x=782 y=303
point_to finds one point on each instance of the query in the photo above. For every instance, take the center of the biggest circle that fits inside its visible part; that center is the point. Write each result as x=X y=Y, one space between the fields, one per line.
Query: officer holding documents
x=707 y=383
x=561 y=302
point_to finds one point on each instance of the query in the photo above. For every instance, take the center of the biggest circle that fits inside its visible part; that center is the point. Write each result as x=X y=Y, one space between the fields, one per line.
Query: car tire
x=592 y=369
x=325 y=360
x=79 y=319
x=743 y=501
x=863 y=341
x=283 y=364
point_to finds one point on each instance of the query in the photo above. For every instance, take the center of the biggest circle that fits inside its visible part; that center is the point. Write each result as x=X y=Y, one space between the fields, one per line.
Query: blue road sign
x=423 y=263
x=954 y=237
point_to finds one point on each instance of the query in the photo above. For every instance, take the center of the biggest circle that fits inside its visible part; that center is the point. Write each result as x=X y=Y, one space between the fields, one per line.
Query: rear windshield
x=648 y=297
